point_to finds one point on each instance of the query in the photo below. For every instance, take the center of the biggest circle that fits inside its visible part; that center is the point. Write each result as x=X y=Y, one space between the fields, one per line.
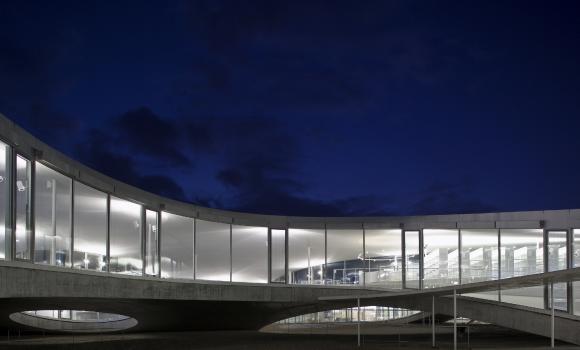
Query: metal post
x=433 y=322
x=454 y=319
x=52 y=258
x=552 y=316
x=358 y=322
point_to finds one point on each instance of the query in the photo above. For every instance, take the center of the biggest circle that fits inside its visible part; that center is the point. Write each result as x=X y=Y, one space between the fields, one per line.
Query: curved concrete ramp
x=521 y=318
x=156 y=304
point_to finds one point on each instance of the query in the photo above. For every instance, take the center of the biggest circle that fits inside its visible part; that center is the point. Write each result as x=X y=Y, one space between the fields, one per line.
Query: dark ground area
x=481 y=337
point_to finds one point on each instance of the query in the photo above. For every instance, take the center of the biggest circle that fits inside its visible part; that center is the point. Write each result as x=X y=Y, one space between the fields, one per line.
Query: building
x=57 y=212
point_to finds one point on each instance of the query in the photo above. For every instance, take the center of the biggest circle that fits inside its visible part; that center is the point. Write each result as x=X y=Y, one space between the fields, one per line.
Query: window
x=151 y=243
x=412 y=259
x=278 y=256
x=52 y=215
x=90 y=228
x=557 y=260
x=479 y=255
x=23 y=216
x=441 y=261
x=5 y=201
x=557 y=251
x=125 y=237
x=383 y=258
x=344 y=261
x=576 y=263
x=176 y=246
x=305 y=255
x=249 y=254
x=522 y=253
x=479 y=259
x=212 y=251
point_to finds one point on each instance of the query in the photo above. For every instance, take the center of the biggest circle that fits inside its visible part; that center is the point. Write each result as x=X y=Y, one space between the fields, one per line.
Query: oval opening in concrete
x=76 y=321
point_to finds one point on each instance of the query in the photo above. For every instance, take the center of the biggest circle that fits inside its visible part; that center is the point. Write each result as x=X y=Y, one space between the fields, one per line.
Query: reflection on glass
x=557 y=251
x=151 y=243
x=348 y=315
x=412 y=259
x=522 y=253
x=479 y=259
x=176 y=246
x=76 y=315
x=344 y=261
x=557 y=260
x=278 y=256
x=441 y=261
x=4 y=201
x=212 y=251
x=249 y=254
x=90 y=228
x=305 y=255
x=52 y=214
x=125 y=237
x=23 y=217
x=576 y=263
x=383 y=257
x=479 y=255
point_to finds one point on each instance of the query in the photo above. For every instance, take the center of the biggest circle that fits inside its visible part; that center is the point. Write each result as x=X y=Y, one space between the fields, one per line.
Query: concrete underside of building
x=159 y=305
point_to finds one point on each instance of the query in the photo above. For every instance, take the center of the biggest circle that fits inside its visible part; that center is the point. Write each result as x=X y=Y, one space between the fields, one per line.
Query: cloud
x=98 y=151
x=144 y=132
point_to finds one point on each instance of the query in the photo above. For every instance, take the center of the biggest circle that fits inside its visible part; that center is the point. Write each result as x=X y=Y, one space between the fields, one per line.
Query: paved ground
x=485 y=337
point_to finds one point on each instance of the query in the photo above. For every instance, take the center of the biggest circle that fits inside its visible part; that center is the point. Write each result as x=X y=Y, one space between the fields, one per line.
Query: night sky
x=306 y=107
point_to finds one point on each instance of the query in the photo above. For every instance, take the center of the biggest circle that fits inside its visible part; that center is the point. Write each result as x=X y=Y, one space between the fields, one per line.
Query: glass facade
x=151 y=243
x=383 y=264
x=479 y=255
x=176 y=246
x=344 y=256
x=125 y=237
x=90 y=228
x=412 y=260
x=336 y=255
x=351 y=314
x=576 y=263
x=441 y=258
x=522 y=253
x=23 y=206
x=558 y=260
x=278 y=256
x=306 y=255
x=480 y=258
x=5 y=169
x=213 y=260
x=52 y=217
x=249 y=254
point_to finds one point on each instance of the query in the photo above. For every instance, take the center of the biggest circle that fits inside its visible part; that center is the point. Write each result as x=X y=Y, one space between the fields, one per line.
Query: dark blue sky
x=307 y=107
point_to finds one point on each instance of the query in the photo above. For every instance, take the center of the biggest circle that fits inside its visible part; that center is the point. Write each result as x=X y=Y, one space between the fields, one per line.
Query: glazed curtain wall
x=383 y=257
x=344 y=256
x=78 y=226
x=5 y=171
x=52 y=216
x=90 y=228
x=176 y=246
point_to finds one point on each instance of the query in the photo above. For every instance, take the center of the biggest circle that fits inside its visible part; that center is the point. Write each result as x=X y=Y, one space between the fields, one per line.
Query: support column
x=454 y=319
x=552 y=316
x=358 y=321
x=433 y=322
